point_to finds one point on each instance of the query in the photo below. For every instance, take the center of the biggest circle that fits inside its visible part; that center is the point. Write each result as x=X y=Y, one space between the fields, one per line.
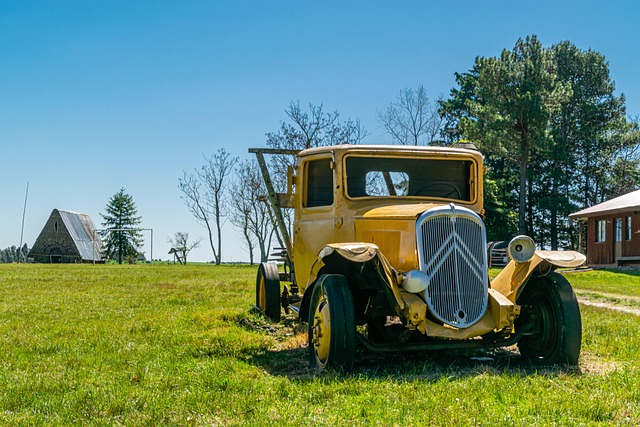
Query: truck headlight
x=521 y=249
x=415 y=281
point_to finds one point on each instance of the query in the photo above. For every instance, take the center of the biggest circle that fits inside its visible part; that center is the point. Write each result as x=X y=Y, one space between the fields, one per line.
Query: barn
x=610 y=231
x=67 y=237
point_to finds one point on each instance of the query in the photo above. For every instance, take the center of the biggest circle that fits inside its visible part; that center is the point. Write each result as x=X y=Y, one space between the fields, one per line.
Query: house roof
x=624 y=203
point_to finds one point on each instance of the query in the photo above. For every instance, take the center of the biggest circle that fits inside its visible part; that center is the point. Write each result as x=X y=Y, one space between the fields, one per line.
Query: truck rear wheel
x=332 y=324
x=551 y=320
x=268 y=290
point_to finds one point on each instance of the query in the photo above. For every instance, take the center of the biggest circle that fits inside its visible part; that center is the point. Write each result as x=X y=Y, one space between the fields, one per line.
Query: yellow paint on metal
x=262 y=304
x=321 y=331
x=501 y=315
x=359 y=252
x=514 y=275
x=503 y=312
x=396 y=211
x=416 y=311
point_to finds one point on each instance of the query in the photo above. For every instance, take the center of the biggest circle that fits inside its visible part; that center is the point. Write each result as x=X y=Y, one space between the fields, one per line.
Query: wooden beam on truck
x=273 y=196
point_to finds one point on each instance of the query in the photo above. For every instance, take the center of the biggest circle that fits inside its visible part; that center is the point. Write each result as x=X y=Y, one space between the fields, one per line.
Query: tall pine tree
x=555 y=136
x=122 y=236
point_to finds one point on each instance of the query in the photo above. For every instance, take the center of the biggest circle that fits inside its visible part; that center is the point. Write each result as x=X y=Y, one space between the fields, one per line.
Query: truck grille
x=451 y=250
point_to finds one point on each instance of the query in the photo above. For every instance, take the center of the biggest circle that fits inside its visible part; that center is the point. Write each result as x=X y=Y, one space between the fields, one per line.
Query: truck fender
x=340 y=258
x=515 y=275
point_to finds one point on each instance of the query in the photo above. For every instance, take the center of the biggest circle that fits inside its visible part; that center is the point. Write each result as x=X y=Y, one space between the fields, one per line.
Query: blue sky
x=95 y=96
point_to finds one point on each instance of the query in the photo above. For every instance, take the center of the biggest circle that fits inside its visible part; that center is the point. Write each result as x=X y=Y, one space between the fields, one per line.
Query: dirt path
x=595 y=294
x=593 y=299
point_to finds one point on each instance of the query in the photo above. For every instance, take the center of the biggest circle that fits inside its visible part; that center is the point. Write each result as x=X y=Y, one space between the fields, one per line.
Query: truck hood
x=392 y=228
x=409 y=211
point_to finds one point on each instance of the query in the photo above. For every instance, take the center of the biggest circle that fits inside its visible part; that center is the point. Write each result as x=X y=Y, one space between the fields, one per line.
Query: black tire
x=550 y=317
x=332 y=327
x=268 y=290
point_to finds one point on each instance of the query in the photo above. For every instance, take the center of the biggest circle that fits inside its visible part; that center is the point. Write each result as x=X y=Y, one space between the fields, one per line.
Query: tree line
x=14 y=254
x=555 y=136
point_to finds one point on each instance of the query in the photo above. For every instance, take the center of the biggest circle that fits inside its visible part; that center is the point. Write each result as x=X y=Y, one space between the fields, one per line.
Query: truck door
x=315 y=214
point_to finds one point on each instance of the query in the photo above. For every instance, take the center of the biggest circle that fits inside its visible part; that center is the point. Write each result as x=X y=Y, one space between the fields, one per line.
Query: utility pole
x=24 y=211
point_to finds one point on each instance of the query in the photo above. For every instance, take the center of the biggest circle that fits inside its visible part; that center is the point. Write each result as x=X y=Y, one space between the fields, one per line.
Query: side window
x=628 y=229
x=319 y=187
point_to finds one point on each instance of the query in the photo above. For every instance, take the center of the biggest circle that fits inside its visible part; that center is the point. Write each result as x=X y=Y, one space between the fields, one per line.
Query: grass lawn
x=178 y=345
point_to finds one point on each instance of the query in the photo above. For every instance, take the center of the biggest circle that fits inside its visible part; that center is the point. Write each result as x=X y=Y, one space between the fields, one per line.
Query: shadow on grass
x=290 y=358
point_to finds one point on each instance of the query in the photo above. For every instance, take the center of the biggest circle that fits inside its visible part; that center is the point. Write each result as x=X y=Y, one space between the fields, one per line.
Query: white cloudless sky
x=98 y=96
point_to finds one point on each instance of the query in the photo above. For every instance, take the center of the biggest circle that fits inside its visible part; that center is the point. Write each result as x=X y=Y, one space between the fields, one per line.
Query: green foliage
x=177 y=345
x=13 y=254
x=123 y=241
x=554 y=134
x=615 y=281
x=500 y=219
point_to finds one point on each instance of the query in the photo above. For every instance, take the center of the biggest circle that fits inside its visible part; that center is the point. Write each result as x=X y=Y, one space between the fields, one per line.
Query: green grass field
x=175 y=345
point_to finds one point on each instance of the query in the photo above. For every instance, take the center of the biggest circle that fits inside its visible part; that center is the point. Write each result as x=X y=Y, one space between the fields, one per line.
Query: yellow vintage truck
x=387 y=248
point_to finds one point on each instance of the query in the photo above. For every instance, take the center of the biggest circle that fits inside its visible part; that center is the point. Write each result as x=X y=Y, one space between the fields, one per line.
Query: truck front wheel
x=332 y=324
x=550 y=321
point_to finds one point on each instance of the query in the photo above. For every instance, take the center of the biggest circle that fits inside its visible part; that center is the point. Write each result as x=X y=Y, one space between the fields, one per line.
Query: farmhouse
x=612 y=230
x=67 y=237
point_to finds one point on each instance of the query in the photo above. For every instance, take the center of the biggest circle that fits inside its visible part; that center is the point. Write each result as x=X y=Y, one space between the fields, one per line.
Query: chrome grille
x=451 y=250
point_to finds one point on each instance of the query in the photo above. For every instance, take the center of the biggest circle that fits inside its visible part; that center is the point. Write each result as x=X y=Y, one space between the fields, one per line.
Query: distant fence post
x=121 y=229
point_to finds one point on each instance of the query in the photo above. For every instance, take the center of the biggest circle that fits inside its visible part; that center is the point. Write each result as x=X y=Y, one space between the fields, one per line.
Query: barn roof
x=624 y=203
x=80 y=231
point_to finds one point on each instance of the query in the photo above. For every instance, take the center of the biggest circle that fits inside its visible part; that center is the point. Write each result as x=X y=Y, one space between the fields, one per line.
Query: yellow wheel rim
x=262 y=304
x=321 y=332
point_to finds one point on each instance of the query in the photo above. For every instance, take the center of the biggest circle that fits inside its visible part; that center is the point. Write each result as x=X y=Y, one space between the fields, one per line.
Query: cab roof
x=388 y=149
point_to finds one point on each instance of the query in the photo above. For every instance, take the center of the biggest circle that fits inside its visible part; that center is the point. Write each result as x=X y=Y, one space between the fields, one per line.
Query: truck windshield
x=408 y=177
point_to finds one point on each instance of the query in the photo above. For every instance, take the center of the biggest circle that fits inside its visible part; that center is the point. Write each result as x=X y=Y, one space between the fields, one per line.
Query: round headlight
x=415 y=281
x=521 y=248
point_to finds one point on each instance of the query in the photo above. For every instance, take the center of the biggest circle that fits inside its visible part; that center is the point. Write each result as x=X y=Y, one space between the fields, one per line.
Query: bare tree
x=180 y=245
x=314 y=128
x=249 y=211
x=412 y=119
x=203 y=192
x=307 y=129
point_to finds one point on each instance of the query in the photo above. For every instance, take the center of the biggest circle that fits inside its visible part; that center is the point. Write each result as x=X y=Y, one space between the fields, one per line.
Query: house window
x=628 y=229
x=601 y=231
